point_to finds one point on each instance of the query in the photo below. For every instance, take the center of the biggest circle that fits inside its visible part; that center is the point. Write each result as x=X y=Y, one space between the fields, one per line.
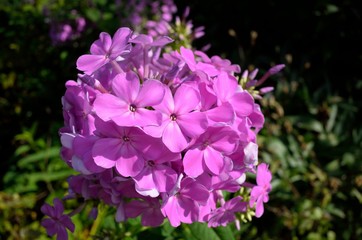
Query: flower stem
x=116 y=66
x=102 y=210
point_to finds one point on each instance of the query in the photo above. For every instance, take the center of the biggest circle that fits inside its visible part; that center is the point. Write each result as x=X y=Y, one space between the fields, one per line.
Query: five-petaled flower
x=58 y=222
x=104 y=50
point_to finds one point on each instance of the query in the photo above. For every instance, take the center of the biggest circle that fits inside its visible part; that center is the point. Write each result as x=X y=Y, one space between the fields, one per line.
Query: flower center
x=205 y=145
x=132 y=108
x=125 y=138
x=151 y=163
x=173 y=117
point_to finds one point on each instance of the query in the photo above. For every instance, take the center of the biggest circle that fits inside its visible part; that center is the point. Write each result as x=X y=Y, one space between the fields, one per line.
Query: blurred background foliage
x=312 y=137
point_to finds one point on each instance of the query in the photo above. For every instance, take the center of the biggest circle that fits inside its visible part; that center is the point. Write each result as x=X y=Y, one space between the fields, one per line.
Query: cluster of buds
x=162 y=135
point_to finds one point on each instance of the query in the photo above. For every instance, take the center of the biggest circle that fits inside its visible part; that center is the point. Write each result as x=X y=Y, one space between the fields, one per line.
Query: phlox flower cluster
x=162 y=135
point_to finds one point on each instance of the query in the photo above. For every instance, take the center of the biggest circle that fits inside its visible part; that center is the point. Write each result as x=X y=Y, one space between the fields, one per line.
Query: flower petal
x=120 y=42
x=107 y=106
x=192 y=163
x=213 y=160
x=126 y=86
x=62 y=233
x=193 y=124
x=145 y=184
x=164 y=177
x=50 y=226
x=48 y=210
x=224 y=113
x=151 y=93
x=225 y=86
x=259 y=208
x=243 y=103
x=141 y=118
x=67 y=222
x=58 y=207
x=173 y=137
x=106 y=152
x=186 y=99
x=102 y=45
x=167 y=105
x=152 y=217
x=170 y=210
x=263 y=175
x=90 y=63
x=135 y=208
x=130 y=163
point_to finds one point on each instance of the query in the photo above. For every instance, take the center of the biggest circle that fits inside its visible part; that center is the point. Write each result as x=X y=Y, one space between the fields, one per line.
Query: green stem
x=102 y=210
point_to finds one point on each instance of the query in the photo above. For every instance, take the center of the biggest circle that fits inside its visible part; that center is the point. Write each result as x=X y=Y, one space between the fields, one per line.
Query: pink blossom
x=181 y=121
x=104 y=50
x=161 y=135
x=122 y=148
x=226 y=213
x=157 y=176
x=128 y=106
x=182 y=205
x=259 y=193
x=209 y=149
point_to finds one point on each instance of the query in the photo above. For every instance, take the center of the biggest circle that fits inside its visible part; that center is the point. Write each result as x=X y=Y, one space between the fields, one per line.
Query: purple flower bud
x=276 y=69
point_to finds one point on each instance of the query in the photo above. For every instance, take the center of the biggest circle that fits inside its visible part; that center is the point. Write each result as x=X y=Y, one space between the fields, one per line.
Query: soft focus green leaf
x=224 y=233
x=200 y=231
x=39 y=156
x=306 y=122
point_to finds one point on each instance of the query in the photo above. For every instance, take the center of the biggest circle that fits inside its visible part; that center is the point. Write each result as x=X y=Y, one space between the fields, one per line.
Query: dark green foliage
x=312 y=137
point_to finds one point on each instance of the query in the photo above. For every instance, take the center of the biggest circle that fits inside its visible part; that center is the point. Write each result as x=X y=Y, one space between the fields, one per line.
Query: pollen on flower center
x=132 y=108
x=173 y=117
x=125 y=138
x=205 y=144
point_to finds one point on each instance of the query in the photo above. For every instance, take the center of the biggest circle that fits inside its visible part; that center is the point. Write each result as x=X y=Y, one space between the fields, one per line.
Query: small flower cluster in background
x=154 y=18
x=162 y=135
x=157 y=18
x=63 y=31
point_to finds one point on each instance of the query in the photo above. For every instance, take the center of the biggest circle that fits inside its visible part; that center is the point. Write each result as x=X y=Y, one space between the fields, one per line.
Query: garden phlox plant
x=162 y=135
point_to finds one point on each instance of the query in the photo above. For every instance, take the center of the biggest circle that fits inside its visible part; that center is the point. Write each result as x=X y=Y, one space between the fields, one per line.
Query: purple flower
x=122 y=147
x=219 y=63
x=147 y=41
x=158 y=175
x=160 y=134
x=82 y=161
x=226 y=213
x=183 y=204
x=57 y=223
x=149 y=209
x=128 y=106
x=208 y=151
x=77 y=108
x=226 y=89
x=104 y=50
x=259 y=193
x=181 y=122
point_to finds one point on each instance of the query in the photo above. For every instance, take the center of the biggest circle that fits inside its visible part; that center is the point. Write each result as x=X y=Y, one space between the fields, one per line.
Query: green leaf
x=39 y=156
x=225 y=233
x=93 y=14
x=21 y=150
x=306 y=122
x=200 y=231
